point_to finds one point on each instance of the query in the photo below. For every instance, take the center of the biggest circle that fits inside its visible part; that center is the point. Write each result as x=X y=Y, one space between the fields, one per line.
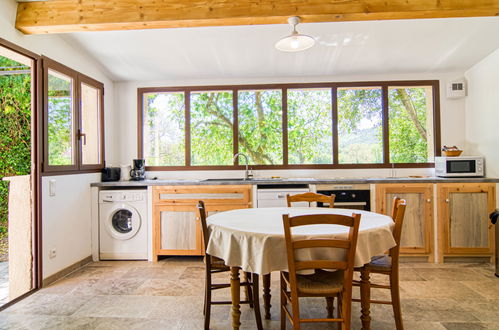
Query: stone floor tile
x=49 y=304
x=437 y=289
x=449 y=274
x=463 y=325
x=118 y=306
x=488 y=289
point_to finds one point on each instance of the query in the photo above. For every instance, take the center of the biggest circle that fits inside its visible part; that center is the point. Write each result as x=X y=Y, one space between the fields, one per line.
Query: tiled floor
x=169 y=295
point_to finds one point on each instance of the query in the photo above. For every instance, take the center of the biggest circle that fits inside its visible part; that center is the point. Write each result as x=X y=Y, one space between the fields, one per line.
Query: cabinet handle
x=447 y=200
x=428 y=200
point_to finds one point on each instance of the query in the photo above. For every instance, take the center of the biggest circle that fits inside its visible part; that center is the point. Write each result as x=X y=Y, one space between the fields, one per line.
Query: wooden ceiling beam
x=61 y=16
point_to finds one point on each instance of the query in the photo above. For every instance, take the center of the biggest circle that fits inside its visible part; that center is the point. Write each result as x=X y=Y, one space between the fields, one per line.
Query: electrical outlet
x=52 y=253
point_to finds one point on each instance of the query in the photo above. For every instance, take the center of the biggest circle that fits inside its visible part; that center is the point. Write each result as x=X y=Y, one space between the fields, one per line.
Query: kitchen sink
x=238 y=179
x=226 y=179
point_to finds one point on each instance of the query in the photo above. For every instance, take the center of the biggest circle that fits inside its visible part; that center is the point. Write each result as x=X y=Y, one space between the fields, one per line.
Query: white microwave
x=466 y=166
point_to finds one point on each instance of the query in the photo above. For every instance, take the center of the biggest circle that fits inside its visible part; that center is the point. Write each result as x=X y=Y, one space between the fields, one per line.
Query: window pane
x=164 y=129
x=309 y=126
x=90 y=124
x=360 y=125
x=211 y=128
x=411 y=124
x=260 y=126
x=60 y=119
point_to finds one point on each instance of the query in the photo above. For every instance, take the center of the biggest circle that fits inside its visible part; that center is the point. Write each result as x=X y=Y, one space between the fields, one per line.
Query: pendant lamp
x=295 y=42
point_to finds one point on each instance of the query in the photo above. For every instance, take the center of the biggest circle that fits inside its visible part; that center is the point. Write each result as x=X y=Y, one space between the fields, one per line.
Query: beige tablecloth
x=253 y=239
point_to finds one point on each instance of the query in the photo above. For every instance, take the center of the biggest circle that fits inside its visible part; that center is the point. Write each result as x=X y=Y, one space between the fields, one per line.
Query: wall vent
x=456 y=89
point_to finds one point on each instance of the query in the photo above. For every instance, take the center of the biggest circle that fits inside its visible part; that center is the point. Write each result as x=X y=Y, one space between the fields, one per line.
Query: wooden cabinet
x=417 y=230
x=176 y=225
x=464 y=226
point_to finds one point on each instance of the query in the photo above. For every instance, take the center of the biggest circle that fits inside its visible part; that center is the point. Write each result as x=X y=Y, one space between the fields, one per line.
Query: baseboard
x=467 y=259
x=60 y=274
x=416 y=259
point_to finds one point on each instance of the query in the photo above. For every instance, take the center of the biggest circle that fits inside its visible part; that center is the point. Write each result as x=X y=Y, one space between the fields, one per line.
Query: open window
x=73 y=113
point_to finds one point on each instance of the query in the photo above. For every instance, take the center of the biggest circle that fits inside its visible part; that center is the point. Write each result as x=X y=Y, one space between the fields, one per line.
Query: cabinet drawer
x=174 y=195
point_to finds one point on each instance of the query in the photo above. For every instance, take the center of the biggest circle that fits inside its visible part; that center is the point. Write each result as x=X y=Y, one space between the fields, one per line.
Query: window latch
x=80 y=135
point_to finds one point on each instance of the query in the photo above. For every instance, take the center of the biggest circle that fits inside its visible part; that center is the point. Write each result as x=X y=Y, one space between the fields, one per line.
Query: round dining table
x=253 y=240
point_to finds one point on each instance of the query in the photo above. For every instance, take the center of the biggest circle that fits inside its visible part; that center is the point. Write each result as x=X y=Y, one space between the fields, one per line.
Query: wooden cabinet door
x=464 y=218
x=176 y=224
x=177 y=230
x=417 y=229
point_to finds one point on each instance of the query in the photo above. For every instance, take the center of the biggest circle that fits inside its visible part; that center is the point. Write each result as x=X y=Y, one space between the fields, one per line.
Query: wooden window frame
x=384 y=85
x=82 y=79
x=78 y=78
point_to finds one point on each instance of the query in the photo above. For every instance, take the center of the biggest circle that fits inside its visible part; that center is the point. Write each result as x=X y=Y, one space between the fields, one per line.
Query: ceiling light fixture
x=295 y=42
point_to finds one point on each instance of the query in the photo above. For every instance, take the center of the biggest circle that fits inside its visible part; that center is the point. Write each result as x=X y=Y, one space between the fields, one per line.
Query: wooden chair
x=387 y=264
x=322 y=283
x=217 y=265
x=310 y=197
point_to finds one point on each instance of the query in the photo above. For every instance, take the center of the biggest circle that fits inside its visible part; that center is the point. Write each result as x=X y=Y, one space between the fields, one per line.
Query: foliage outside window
x=360 y=125
x=291 y=126
x=310 y=126
x=60 y=119
x=260 y=126
x=15 y=129
x=73 y=112
x=164 y=128
x=411 y=124
x=212 y=116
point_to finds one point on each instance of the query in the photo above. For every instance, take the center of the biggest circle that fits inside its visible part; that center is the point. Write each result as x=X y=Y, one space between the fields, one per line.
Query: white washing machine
x=123 y=225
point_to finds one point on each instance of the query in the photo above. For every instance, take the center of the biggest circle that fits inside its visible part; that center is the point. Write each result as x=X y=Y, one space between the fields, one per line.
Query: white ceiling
x=343 y=48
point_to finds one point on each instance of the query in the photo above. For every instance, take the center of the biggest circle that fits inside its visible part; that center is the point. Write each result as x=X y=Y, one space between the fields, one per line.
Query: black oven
x=348 y=196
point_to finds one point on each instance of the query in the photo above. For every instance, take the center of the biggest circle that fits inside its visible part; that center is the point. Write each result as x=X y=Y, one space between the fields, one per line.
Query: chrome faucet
x=246 y=173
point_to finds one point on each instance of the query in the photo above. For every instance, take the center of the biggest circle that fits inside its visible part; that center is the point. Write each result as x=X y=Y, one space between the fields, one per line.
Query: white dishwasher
x=274 y=195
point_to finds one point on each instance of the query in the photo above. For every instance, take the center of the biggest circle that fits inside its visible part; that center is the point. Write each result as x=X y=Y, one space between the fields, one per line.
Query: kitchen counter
x=265 y=181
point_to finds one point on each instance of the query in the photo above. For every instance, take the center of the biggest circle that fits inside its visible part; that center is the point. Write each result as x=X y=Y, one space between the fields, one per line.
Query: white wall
x=66 y=220
x=66 y=216
x=451 y=117
x=482 y=112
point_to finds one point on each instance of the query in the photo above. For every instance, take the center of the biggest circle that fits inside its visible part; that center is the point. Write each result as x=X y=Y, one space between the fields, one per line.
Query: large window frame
x=78 y=135
x=384 y=85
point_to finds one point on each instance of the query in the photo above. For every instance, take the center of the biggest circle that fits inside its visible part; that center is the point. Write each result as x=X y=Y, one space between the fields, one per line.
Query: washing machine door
x=123 y=222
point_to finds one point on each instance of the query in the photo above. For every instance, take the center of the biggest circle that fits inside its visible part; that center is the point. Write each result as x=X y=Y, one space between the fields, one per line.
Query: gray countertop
x=266 y=181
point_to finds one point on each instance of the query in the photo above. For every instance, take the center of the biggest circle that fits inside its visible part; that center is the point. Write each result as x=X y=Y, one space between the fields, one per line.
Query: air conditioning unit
x=456 y=89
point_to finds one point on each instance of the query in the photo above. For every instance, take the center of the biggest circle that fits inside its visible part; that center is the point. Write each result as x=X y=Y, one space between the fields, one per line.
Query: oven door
x=357 y=199
x=351 y=205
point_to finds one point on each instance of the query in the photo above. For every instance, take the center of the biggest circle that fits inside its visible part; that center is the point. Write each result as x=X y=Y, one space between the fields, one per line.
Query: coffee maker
x=138 y=172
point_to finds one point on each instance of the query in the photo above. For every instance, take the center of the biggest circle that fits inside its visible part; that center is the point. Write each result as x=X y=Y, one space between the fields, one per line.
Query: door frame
x=36 y=153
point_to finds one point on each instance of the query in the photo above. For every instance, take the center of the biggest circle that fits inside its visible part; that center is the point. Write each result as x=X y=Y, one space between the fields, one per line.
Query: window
x=60 y=119
x=310 y=126
x=212 y=124
x=73 y=112
x=323 y=125
x=260 y=126
x=164 y=128
x=360 y=125
x=411 y=124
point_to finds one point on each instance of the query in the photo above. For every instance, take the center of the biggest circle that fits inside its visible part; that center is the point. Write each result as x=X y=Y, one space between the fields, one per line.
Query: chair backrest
x=310 y=197
x=349 y=244
x=204 y=226
x=398 y=212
